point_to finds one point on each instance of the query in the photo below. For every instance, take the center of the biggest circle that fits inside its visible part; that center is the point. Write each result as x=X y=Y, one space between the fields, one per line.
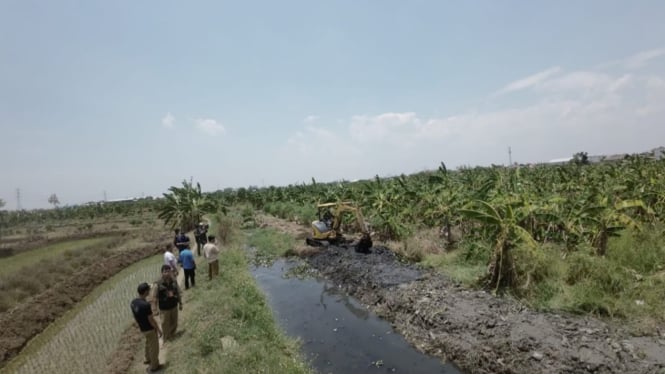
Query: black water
x=339 y=335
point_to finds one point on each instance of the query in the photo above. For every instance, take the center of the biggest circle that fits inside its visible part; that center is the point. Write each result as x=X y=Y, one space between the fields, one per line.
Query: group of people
x=165 y=299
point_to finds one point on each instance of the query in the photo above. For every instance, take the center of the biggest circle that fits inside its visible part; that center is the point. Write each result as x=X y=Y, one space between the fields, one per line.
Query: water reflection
x=340 y=296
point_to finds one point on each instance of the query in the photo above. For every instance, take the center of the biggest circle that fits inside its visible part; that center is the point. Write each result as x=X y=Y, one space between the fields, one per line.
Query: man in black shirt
x=148 y=326
x=169 y=299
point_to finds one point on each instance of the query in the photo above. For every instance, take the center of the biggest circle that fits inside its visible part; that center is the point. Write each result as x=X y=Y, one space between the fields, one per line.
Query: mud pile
x=479 y=332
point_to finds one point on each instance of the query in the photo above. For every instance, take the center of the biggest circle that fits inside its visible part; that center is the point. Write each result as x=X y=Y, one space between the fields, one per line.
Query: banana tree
x=502 y=222
x=185 y=206
x=608 y=220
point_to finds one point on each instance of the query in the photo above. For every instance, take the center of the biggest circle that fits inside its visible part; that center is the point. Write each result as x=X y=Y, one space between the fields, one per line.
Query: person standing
x=142 y=312
x=200 y=236
x=176 y=237
x=188 y=266
x=169 y=299
x=211 y=252
x=170 y=259
x=181 y=240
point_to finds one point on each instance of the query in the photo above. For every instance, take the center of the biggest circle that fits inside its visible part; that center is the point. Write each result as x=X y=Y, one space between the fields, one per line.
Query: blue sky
x=131 y=97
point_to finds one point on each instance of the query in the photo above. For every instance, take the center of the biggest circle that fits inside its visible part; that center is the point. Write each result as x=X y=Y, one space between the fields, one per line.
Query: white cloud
x=637 y=61
x=311 y=119
x=210 y=126
x=529 y=81
x=168 y=120
x=586 y=110
x=641 y=59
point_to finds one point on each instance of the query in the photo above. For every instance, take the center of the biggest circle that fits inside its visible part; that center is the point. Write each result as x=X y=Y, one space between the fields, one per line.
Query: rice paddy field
x=87 y=335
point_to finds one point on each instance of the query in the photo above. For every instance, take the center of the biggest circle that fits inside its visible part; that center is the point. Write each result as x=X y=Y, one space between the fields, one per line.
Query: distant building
x=658 y=153
x=654 y=154
x=560 y=160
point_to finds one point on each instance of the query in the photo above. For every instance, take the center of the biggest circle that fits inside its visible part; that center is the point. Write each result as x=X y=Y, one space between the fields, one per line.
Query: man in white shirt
x=170 y=259
x=210 y=252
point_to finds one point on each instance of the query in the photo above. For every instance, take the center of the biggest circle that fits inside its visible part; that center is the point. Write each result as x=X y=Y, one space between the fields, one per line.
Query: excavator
x=327 y=229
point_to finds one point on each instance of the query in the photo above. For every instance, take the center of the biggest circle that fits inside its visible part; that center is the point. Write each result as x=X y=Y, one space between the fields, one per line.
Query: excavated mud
x=481 y=333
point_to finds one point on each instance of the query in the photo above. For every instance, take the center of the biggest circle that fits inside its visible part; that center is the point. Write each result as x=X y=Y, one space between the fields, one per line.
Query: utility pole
x=18 y=199
x=105 y=197
x=510 y=157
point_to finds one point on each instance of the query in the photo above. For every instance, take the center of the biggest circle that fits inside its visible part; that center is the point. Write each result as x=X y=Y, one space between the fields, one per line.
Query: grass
x=298 y=213
x=82 y=340
x=13 y=264
x=270 y=243
x=456 y=267
x=229 y=327
x=18 y=281
x=627 y=284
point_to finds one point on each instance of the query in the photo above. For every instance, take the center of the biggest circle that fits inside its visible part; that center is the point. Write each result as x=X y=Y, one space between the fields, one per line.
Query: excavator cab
x=327 y=229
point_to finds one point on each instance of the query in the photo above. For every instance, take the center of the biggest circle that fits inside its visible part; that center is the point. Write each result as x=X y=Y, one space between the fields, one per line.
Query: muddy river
x=338 y=334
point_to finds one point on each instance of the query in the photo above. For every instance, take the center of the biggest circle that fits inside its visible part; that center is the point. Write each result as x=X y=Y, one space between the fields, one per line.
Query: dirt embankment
x=12 y=248
x=32 y=316
x=481 y=333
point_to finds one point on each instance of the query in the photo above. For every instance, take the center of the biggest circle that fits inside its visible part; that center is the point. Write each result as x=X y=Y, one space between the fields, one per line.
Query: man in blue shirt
x=188 y=265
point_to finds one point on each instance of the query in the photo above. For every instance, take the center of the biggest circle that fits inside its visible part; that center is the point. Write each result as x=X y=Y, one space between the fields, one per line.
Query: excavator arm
x=339 y=215
x=363 y=244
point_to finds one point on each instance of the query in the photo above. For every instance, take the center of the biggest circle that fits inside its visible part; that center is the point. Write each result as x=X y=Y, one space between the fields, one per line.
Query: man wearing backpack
x=169 y=301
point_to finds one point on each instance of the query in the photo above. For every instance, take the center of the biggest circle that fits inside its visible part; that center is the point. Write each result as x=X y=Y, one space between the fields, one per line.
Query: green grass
x=453 y=265
x=232 y=308
x=627 y=284
x=299 y=213
x=13 y=264
x=270 y=243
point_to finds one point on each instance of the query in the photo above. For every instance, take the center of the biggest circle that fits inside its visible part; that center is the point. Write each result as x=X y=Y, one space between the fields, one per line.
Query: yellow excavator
x=327 y=229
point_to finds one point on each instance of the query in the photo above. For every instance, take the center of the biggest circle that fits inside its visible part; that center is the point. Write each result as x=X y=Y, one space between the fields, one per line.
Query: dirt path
x=478 y=332
x=134 y=349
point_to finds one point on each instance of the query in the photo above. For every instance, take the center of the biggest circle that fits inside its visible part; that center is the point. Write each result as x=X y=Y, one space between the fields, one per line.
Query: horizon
x=457 y=168
x=98 y=102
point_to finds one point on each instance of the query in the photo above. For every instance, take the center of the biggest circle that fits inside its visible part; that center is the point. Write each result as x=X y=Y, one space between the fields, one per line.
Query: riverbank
x=226 y=325
x=478 y=332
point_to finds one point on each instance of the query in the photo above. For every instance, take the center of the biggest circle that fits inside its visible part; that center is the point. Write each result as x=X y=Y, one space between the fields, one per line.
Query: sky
x=127 y=98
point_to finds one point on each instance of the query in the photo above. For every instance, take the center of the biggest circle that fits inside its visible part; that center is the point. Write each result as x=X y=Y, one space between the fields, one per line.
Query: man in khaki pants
x=210 y=251
x=169 y=299
x=143 y=315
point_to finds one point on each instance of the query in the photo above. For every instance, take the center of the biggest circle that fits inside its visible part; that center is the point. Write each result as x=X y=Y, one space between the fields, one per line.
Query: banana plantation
x=513 y=221
x=573 y=207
